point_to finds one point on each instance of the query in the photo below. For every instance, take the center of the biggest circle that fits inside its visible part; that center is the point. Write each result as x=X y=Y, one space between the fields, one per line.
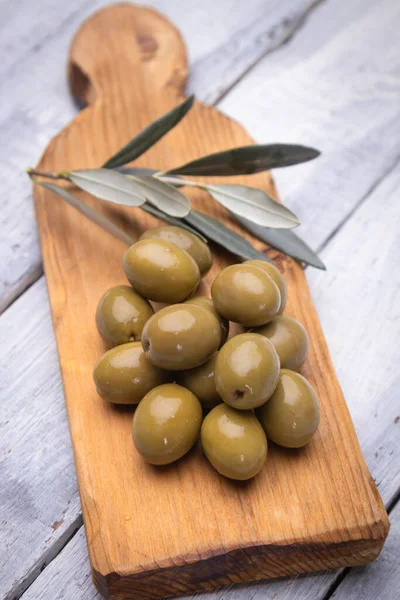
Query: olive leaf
x=222 y=235
x=248 y=159
x=177 y=222
x=149 y=135
x=163 y=195
x=253 y=204
x=108 y=185
x=89 y=212
x=285 y=241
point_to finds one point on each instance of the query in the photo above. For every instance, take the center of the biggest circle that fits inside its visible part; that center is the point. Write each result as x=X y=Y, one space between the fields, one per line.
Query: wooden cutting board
x=159 y=532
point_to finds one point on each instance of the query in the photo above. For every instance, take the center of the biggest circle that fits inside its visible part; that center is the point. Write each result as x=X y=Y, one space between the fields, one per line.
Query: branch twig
x=35 y=172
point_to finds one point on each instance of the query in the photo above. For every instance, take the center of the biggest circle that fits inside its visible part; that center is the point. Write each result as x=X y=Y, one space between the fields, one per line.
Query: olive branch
x=159 y=192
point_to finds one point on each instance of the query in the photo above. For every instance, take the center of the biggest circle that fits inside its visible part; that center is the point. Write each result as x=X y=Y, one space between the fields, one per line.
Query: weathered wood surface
x=34 y=46
x=359 y=304
x=39 y=502
x=366 y=398
x=336 y=86
x=224 y=39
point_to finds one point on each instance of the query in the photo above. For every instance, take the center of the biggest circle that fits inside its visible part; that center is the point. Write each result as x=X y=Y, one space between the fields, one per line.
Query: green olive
x=246 y=371
x=201 y=382
x=290 y=340
x=234 y=442
x=181 y=336
x=123 y=375
x=209 y=304
x=291 y=416
x=185 y=240
x=245 y=294
x=166 y=424
x=277 y=277
x=121 y=315
x=161 y=271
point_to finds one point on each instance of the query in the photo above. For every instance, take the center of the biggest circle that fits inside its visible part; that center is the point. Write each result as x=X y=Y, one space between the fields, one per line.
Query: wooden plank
x=79 y=584
x=372 y=231
x=331 y=88
x=38 y=496
x=358 y=301
x=36 y=104
x=123 y=526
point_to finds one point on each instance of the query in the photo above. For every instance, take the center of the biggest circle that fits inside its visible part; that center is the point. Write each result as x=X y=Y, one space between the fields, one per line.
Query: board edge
x=242 y=565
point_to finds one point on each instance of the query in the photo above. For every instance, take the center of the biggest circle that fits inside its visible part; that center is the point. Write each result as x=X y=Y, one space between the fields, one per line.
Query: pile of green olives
x=186 y=378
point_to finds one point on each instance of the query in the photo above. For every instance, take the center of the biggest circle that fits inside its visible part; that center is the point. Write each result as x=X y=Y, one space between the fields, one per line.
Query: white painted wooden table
x=320 y=72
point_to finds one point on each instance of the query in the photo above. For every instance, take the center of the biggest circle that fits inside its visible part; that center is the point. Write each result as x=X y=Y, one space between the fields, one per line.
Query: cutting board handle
x=126 y=45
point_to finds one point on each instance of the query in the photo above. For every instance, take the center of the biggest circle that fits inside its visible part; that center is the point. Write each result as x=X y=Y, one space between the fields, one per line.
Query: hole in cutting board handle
x=81 y=88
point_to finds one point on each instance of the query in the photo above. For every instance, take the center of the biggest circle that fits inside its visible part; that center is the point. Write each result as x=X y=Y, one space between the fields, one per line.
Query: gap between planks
x=359 y=204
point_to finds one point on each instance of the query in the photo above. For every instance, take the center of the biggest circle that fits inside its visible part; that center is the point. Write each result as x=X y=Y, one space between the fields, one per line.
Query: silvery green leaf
x=108 y=185
x=177 y=222
x=253 y=204
x=163 y=195
x=89 y=212
x=150 y=135
x=248 y=159
x=222 y=235
x=285 y=241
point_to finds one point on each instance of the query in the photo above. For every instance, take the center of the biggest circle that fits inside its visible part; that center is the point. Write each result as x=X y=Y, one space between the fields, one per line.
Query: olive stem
x=47 y=174
x=178 y=181
x=89 y=212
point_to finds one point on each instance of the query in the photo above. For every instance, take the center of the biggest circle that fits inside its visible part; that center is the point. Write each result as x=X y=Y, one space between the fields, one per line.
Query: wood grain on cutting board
x=154 y=532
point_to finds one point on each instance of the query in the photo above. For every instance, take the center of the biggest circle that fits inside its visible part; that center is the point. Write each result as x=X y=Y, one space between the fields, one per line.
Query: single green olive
x=186 y=240
x=123 y=375
x=234 y=442
x=277 y=277
x=121 y=315
x=289 y=338
x=181 y=336
x=245 y=294
x=246 y=371
x=201 y=382
x=291 y=416
x=209 y=304
x=161 y=271
x=166 y=424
